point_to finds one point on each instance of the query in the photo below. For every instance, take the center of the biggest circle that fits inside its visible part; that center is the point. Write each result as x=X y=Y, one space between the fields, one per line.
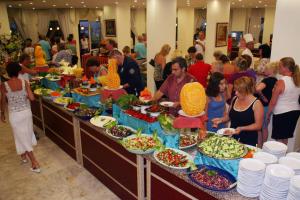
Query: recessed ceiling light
x=82 y=2
x=133 y=6
x=96 y=6
x=33 y=8
x=256 y=6
x=50 y=29
x=233 y=3
x=44 y=1
x=54 y=5
x=10 y=6
x=259 y=1
x=240 y=0
x=20 y=4
x=30 y=3
x=84 y=6
x=116 y=2
x=135 y=1
x=67 y=4
x=71 y=7
x=266 y=5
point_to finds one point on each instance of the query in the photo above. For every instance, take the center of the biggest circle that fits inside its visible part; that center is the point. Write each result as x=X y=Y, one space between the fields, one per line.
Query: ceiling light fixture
x=57 y=28
x=135 y=1
x=50 y=29
x=259 y=1
x=82 y=2
x=96 y=6
x=116 y=3
x=9 y=6
x=84 y=6
x=33 y=8
x=266 y=5
x=71 y=7
x=30 y=3
x=20 y=4
x=233 y=3
x=44 y=1
x=54 y=5
x=240 y=0
x=67 y=4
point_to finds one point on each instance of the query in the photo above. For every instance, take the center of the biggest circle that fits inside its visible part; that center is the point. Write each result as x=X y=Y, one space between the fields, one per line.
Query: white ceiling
x=37 y=4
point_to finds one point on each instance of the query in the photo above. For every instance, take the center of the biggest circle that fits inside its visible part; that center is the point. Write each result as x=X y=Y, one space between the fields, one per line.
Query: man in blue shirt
x=129 y=73
x=140 y=49
x=45 y=46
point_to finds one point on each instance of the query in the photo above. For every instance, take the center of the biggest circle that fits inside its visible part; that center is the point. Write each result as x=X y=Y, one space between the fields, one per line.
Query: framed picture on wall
x=221 y=34
x=110 y=28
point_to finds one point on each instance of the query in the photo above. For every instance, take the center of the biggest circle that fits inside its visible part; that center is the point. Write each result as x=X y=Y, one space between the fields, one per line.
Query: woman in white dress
x=18 y=94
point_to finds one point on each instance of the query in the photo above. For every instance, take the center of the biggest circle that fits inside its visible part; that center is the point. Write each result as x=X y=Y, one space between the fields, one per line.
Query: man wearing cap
x=249 y=46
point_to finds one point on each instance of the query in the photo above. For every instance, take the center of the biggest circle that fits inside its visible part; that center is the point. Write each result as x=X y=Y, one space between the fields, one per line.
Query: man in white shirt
x=249 y=46
x=200 y=43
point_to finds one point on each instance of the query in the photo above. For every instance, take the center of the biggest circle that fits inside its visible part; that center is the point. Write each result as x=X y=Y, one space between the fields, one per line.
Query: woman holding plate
x=245 y=113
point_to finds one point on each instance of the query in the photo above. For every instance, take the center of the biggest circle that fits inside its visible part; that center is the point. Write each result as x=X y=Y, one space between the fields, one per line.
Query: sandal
x=36 y=169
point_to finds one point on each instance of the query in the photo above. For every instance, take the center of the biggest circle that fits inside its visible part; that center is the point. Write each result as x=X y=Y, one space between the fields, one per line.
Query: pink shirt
x=171 y=88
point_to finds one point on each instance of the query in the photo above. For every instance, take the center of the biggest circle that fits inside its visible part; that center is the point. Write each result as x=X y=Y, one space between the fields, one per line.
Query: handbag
x=152 y=62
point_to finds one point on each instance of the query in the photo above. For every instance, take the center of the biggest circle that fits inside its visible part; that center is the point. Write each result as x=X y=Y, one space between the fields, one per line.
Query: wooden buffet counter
x=128 y=175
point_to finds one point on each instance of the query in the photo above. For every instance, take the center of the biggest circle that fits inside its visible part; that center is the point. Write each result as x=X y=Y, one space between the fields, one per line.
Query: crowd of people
x=239 y=95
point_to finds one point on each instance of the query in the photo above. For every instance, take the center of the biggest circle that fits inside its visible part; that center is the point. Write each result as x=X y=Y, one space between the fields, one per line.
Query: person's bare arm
x=158 y=95
x=29 y=92
x=28 y=70
x=278 y=89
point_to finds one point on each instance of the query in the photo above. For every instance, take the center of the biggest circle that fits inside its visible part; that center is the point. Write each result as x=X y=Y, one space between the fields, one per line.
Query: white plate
x=276 y=147
x=187 y=147
x=100 y=121
x=92 y=89
x=266 y=158
x=119 y=138
x=294 y=155
x=180 y=112
x=293 y=163
x=252 y=164
x=106 y=88
x=280 y=171
x=189 y=158
x=221 y=131
x=167 y=104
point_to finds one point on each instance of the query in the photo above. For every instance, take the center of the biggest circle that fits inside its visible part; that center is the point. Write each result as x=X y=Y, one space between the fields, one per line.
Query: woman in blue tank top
x=215 y=107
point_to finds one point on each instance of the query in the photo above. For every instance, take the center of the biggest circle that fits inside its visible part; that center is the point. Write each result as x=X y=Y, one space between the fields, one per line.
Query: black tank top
x=243 y=118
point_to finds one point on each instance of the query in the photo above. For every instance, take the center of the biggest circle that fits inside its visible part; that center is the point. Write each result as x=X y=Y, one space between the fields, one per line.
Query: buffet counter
x=128 y=175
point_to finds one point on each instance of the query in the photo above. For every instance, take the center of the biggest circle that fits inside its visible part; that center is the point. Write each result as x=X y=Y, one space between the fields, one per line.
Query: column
x=185 y=28
x=238 y=19
x=161 y=29
x=218 y=11
x=268 y=24
x=140 y=21
x=4 y=22
x=286 y=42
x=123 y=25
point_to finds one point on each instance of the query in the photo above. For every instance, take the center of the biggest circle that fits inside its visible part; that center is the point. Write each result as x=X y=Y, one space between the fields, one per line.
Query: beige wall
x=185 y=28
x=4 y=22
x=269 y=24
x=123 y=25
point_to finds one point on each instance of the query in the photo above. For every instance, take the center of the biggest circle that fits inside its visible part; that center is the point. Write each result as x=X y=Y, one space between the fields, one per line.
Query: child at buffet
x=264 y=90
x=216 y=105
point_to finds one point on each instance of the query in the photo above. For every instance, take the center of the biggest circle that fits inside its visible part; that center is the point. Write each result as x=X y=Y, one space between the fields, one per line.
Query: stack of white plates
x=276 y=182
x=250 y=177
x=278 y=149
x=294 y=155
x=266 y=158
x=292 y=163
x=294 y=190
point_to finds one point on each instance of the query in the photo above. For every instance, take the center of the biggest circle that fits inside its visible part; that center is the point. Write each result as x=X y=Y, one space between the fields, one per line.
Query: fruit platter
x=222 y=148
x=212 y=178
x=141 y=143
x=141 y=116
x=120 y=131
x=173 y=158
x=63 y=100
x=187 y=141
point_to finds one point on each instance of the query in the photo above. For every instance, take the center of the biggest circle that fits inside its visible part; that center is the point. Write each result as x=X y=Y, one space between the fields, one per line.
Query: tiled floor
x=61 y=177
